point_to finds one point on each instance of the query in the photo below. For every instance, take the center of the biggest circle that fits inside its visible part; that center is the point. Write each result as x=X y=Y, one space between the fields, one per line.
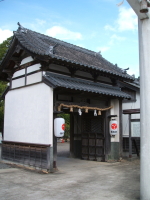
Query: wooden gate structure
x=44 y=72
x=93 y=138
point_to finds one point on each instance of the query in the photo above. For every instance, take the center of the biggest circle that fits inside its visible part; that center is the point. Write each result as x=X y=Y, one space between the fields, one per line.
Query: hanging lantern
x=113 y=127
x=71 y=109
x=95 y=113
x=99 y=112
x=59 y=127
x=86 y=110
x=79 y=111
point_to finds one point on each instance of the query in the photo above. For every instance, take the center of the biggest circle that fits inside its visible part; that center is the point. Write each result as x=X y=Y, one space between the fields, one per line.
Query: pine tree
x=3 y=49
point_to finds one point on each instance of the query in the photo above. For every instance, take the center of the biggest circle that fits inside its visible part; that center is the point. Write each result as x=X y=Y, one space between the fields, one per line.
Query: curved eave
x=129 y=78
x=41 y=53
x=94 y=92
x=44 y=56
x=60 y=81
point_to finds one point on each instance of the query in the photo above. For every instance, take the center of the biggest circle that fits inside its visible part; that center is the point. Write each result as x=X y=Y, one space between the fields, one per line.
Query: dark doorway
x=89 y=137
x=93 y=138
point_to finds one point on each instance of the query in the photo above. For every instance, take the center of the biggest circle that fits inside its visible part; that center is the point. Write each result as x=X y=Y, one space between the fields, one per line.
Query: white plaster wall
x=29 y=115
x=18 y=82
x=33 y=68
x=34 y=78
x=19 y=73
x=26 y=60
x=125 y=118
x=115 y=111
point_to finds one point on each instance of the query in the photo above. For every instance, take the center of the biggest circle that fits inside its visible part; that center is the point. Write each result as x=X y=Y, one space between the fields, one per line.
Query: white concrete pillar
x=144 y=49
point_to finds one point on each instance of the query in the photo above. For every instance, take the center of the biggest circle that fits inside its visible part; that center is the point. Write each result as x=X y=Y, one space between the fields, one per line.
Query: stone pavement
x=75 y=180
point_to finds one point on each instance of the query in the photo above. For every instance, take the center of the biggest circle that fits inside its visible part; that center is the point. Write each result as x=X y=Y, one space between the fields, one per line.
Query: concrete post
x=50 y=159
x=144 y=48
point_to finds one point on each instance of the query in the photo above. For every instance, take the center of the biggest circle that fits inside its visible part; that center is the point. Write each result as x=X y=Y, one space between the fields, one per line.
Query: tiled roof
x=53 y=48
x=57 y=80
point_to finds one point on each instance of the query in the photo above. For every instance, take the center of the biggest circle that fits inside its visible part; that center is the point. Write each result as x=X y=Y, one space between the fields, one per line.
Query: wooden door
x=93 y=138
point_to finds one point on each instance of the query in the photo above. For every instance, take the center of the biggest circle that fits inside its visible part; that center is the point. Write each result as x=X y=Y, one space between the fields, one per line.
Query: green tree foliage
x=4 y=46
x=3 y=49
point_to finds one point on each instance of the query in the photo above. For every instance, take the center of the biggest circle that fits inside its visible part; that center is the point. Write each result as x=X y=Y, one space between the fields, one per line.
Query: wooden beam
x=25 y=65
x=131 y=111
x=95 y=75
x=72 y=70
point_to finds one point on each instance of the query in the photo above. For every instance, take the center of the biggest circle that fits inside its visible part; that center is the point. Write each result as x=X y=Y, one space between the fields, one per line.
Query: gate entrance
x=92 y=138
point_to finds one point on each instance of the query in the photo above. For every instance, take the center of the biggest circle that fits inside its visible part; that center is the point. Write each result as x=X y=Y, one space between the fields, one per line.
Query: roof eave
x=123 y=77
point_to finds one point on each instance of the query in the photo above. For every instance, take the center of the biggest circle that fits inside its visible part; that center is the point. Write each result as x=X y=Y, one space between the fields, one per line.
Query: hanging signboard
x=135 y=128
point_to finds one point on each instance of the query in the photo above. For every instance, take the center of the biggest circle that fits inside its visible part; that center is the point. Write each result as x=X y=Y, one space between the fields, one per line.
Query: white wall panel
x=26 y=60
x=29 y=115
x=18 y=82
x=33 y=68
x=34 y=78
x=19 y=73
x=125 y=118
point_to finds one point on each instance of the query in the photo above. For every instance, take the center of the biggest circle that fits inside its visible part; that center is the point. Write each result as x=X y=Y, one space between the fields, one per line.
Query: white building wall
x=19 y=73
x=125 y=118
x=18 y=83
x=29 y=115
x=34 y=78
x=30 y=78
x=33 y=68
x=26 y=60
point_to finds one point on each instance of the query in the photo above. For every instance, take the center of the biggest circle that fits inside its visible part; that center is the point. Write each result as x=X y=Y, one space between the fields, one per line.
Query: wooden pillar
x=120 y=126
x=55 y=152
x=130 y=139
x=54 y=148
x=107 y=134
x=71 y=135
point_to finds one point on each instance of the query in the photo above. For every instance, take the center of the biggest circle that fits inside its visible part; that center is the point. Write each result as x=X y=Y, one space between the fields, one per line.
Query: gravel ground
x=4 y=166
x=63 y=149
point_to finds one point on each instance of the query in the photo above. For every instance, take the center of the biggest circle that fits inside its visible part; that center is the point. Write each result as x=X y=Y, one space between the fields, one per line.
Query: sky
x=97 y=25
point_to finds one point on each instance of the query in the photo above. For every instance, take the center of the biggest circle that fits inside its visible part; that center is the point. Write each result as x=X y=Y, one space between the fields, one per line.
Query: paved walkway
x=75 y=180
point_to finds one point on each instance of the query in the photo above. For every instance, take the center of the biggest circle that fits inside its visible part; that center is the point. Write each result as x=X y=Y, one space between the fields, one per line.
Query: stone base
x=115 y=151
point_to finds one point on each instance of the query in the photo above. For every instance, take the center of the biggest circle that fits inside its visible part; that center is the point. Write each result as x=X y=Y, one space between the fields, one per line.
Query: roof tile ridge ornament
x=98 y=54
x=21 y=28
x=51 y=50
x=112 y=65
